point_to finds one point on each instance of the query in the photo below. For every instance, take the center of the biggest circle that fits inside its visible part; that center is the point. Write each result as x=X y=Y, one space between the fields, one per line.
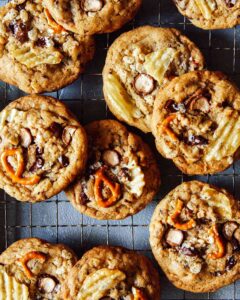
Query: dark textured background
x=56 y=220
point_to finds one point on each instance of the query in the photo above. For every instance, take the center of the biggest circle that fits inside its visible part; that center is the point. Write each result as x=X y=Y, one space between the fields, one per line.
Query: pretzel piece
x=101 y=178
x=29 y=256
x=174 y=218
x=52 y=23
x=219 y=242
x=16 y=175
x=166 y=129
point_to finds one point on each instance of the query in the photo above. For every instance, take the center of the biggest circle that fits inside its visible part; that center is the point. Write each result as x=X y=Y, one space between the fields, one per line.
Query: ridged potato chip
x=206 y=7
x=120 y=98
x=219 y=202
x=33 y=57
x=157 y=63
x=226 y=139
x=97 y=284
x=10 y=289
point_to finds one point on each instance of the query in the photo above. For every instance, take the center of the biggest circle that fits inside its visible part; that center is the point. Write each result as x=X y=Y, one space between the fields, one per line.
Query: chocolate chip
x=41 y=42
x=188 y=251
x=202 y=221
x=39 y=151
x=231 y=262
x=196 y=140
x=124 y=174
x=230 y=3
x=84 y=198
x=235 y=245
x=226 y=103
x=64 y=161
x=19 y=30
x=38 y=164
x=56 y=129
x=218 y=273
x=172 y=106
x=20 y=7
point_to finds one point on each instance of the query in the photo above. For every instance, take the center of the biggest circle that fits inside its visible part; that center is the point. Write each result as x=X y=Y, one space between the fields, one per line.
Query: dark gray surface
x=56 y=220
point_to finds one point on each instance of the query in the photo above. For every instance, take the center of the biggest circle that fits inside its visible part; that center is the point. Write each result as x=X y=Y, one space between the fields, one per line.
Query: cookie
x=211 y=14
x=195 y=237
x=42 y=148
x=36 y=53
x=138 y=63
x=34 y=269
x=93 y=16
x=196 y=122
x=112 y=273
x=122 y=176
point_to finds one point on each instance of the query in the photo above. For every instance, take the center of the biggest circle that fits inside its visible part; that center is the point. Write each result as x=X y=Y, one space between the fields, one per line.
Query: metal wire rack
x=55 y=219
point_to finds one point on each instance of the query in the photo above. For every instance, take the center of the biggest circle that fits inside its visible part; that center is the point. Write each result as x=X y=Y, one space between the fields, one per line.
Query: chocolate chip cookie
x=122 y=176
x=195 y=237
x=112 y=273
x=196 y=122
x=42 y=148
x=34 y=269
x=211 y=14
x=36 y=53
x=93 y=16
x=138 y=63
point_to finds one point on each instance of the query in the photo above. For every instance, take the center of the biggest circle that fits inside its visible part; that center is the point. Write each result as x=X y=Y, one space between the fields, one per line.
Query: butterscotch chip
x=37 y=54
x=211 y=14
x=93 y=16
x=138 y=64
x=112 y=273
x=203 y=258
x=42 y=148
x=121 y=177
x=196 y=122
x=48 y=274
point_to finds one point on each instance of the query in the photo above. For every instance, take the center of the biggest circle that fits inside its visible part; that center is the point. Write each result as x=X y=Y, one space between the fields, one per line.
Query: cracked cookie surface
x=93 y=16
x=196 y=122
x=42 y=148
x=138 y=63
x=122 y=175
x=211 y=14
x=112 y=273
x=195 y=237
x=36 y=53
x=40 y=268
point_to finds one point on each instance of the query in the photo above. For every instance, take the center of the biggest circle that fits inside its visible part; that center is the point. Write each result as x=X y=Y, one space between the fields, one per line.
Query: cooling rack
x=56 y=220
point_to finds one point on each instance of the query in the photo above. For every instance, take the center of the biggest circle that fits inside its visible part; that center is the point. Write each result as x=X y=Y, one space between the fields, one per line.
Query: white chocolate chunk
x=158 y=62
x=10 y=289
x=99 y=283
x=120 y=99
x=206 y=7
